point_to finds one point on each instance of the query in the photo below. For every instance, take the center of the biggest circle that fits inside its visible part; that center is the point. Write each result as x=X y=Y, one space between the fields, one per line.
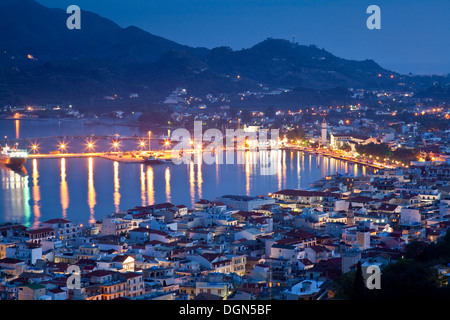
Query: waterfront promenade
x=139 y=156
x=335 y=155
x=122 y=157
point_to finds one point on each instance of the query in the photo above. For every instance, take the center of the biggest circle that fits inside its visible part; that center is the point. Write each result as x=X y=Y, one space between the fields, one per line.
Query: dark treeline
x=415 y=276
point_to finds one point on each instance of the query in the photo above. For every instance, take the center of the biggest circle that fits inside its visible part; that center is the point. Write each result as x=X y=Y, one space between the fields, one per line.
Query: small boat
x=152 y=160
x=155 y=160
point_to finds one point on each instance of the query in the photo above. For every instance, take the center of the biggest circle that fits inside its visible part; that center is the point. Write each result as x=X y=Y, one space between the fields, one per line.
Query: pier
x=122 y=157
x=138 y=156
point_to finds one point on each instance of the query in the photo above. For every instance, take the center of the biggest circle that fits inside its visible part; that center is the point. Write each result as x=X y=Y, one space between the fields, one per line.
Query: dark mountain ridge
x=42 y=61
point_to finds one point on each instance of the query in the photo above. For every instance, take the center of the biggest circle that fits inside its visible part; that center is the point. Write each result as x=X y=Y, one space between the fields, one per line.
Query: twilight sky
x=414 y=35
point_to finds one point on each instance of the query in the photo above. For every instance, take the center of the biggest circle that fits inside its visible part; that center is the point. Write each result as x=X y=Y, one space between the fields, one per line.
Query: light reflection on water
x=64 y=190
x=91 y=191
x=90 y=188
x=150 y=192
x=36 y=195
x=87 y=189
x=116 y=187
x=15 y=206
x=167 y=176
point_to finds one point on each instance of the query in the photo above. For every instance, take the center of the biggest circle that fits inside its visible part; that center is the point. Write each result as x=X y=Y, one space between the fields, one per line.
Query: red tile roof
x=307 y=193
x=120 y=258
x=306 y=262
x=387 y=207
x=210 y=256
x=10 y=261
x=54 y=221
x=164 y=205
x=161 y=233
x=363 y=199
x=100 y=273
x=55 y=291
x=129 y=275
x=203 y=201
x=41 y=230
x=141 y=229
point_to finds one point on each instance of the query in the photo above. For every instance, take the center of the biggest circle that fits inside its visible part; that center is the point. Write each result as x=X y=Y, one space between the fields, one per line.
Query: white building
x=115 y=226
x=337 y=140
x=244 y=203
x=288 y=252
x=304 y=290
x=358 y=239
x=410 y=217
x=64 y=229
x=29 y=252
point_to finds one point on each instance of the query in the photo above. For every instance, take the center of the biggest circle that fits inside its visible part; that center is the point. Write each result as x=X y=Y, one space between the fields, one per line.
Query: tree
x=432 y=253
x=381 y=150
x=270 y=112
x=155 y=117
x=405 y=155
x=296 y=134
x=415 y=249
x=343 y=285
x=359 y=286
x=415 y=277
x=412 y=277
x=345 y=147
x=246 y=116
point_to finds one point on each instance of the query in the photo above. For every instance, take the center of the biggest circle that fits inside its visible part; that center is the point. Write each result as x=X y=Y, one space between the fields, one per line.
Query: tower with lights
x=324 y=140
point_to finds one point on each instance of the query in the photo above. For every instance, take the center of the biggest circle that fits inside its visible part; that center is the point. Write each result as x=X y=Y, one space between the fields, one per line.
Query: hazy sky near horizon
x=414 y=35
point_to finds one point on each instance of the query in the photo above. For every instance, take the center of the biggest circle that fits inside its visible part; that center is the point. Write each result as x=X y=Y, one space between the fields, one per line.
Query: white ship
x=13 y=157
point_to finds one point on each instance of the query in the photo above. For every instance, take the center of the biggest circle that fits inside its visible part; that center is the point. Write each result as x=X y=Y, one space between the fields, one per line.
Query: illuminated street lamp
x=90 y=146
x=149 y=140
x=34 y=147
x=115 y=145
x=62 y=146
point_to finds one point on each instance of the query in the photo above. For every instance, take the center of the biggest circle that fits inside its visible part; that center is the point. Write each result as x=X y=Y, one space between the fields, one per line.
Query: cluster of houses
x=290 y=244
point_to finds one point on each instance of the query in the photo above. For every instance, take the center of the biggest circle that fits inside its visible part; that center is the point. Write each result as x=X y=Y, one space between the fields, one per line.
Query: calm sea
x=87 y=189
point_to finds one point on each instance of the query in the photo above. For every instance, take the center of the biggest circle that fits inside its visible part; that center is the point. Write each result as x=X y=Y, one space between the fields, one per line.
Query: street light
x=149 y=141
x=90 y=146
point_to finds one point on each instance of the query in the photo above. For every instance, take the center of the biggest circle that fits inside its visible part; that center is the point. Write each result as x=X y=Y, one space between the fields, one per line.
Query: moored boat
x=13 y=157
